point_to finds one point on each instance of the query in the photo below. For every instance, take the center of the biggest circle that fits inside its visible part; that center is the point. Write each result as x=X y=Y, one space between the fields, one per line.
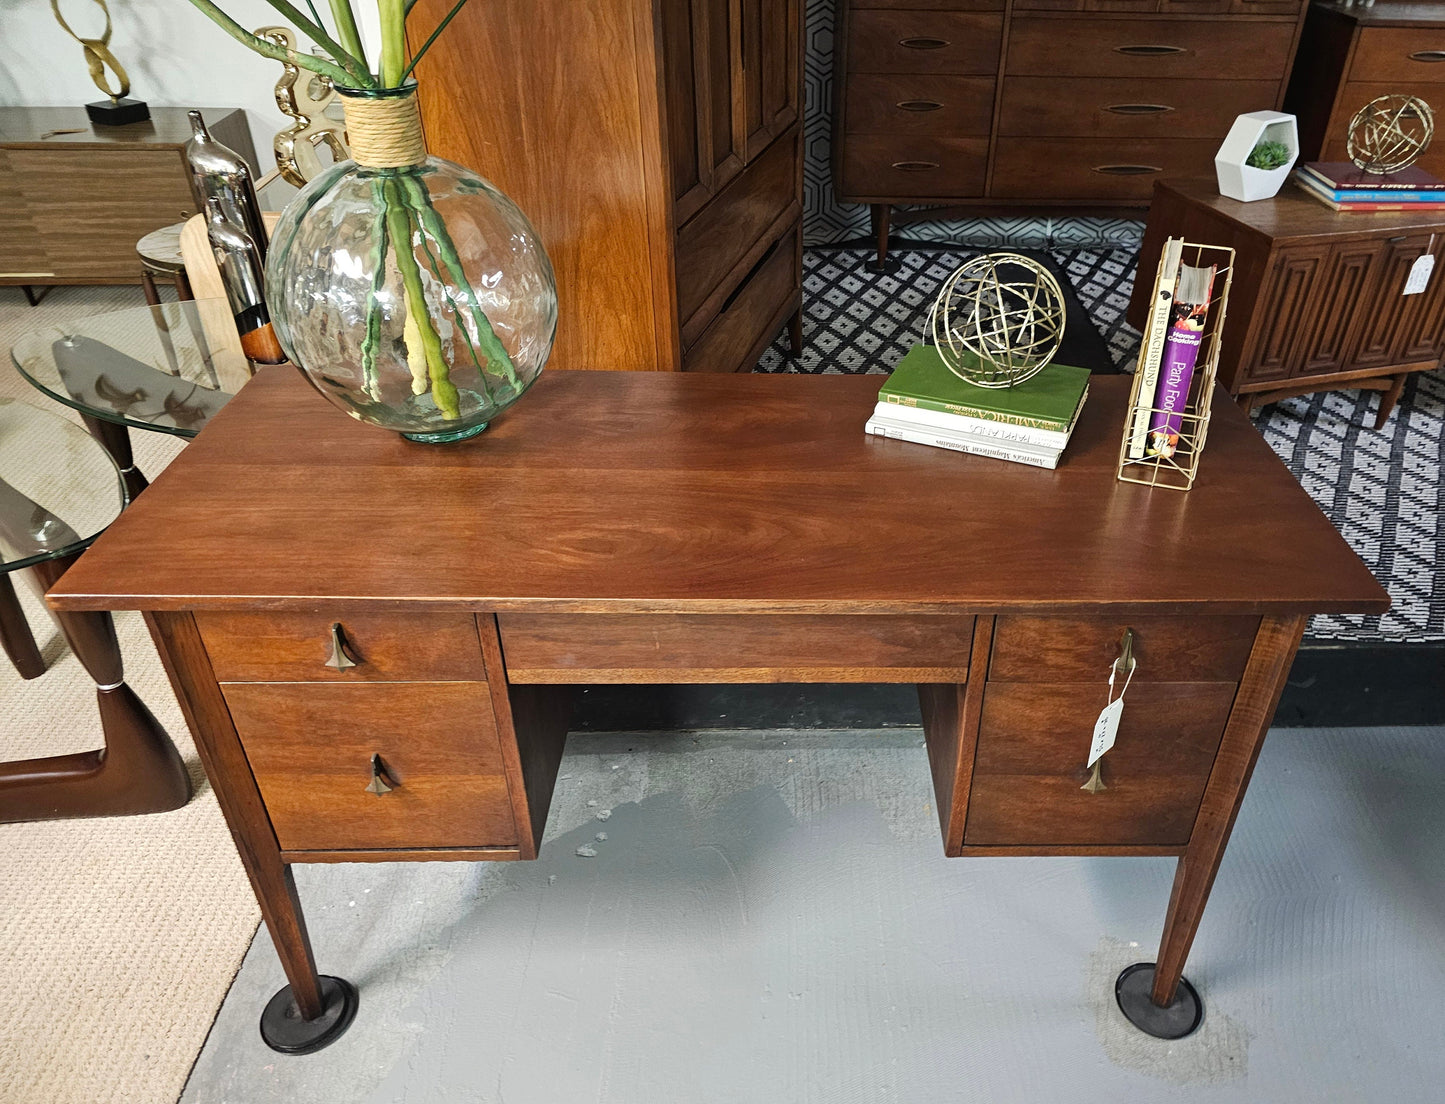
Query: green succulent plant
x=1268 y=155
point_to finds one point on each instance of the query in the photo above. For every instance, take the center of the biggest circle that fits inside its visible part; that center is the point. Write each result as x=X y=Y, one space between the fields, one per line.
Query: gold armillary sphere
x=97 y=54
x=1390 y=133
x=998 y=320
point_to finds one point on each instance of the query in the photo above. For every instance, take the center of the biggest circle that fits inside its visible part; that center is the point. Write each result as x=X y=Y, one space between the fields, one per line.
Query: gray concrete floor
x=770 y=918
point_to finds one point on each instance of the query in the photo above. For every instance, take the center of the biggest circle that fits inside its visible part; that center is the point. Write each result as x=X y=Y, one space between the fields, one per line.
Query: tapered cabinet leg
x=312 y=1011
x=880 y=215
x=15 y=634
x=1389 y=399
x=795 y=333
x=137 y=771
x=1154 y=996
x=116 y=439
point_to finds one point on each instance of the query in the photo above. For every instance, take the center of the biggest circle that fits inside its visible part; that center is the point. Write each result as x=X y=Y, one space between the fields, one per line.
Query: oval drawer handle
x=915 y=166
x=381 y=783
x=1138 y=109
x=1126 y=170
x=1149 y=51
x=923 y=43
x=340 y=657
x=918 y=105
x=1428 y=55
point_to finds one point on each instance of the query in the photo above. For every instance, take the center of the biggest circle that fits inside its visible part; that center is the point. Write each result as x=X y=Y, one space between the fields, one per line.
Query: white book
x=1001 y=432
x=1151 y=352
x=964 y=442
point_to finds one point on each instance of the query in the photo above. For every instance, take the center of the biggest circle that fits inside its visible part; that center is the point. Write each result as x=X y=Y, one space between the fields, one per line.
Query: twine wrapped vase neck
x=383 y=128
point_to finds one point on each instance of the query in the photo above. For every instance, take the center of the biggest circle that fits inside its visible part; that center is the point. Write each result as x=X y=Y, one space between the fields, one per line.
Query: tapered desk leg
x=313 y=1010
x=1155 y=997
x=880 y=216
x=15 y=634
x=116 y=439
x=137 y=771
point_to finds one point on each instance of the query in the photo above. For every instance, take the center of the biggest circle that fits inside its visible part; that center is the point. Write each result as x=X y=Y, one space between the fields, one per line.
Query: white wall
x=176 y=57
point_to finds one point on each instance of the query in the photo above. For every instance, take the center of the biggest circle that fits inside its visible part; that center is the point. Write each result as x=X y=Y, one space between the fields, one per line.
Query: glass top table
x=168 y=367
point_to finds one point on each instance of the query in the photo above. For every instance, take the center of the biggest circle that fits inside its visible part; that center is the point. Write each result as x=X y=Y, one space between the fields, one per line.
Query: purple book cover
x=1181 y=350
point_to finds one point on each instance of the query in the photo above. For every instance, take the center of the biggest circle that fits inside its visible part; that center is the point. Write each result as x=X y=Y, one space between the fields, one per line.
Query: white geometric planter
x=1244 y=182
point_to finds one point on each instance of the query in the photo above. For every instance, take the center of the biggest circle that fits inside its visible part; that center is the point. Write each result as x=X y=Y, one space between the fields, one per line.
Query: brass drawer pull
x=918 y=105
x=1126 y=170
x=1124 y=664
x=1138 y=109
x=1149 y=51
x=1126 y=661
x=923 y=43
x=915 y=166
x=340 y=659
x=381 y=783
x=1428 y=55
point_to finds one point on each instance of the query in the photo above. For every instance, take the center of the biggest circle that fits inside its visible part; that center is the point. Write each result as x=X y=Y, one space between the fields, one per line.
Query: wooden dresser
x=656 y=146
x=1318 y=300
x=76 y=198
x=1060 y=103
x=373 y=640
x=1349 y=55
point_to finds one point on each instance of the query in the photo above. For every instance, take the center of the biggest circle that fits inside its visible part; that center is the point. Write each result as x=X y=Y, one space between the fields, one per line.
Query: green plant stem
x=498 y=359
x=318 y=35
x=277 y=53
x=347 y=31
x=443 y=391
x=393 y=41
x=425 y=46
x=465 y=339
x=372 y=338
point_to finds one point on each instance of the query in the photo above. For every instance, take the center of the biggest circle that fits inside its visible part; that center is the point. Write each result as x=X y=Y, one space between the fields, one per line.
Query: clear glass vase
x=415 y=297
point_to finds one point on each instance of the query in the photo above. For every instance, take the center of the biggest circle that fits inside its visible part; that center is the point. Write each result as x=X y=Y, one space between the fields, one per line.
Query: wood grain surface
x=1165 y=649
x=697 y=493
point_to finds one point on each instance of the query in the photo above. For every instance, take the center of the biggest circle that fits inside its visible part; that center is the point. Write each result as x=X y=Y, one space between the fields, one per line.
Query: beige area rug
x=119 y=937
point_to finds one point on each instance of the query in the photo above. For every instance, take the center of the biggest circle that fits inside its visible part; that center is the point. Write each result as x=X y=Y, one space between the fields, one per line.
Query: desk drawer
x=1399 y=55
x=295 y=647
x=907 y=166
x=1034 y=741
x=310 y=748
x=1166 y=649
x=963 y=43
x=929 y=104
x=1093 y=107
x=1085 y=46
x=662 y=648
x=1121 y=170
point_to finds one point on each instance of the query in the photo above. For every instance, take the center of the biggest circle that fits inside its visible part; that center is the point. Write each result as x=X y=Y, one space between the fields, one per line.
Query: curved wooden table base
x=137 y=771
x=15 y=634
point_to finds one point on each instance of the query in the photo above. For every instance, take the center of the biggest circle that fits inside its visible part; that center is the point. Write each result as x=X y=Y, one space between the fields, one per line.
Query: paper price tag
x=1106 y=729
x=1419 y=277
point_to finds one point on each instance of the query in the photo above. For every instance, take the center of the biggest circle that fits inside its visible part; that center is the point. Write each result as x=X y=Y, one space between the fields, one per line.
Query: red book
x=1346 y=174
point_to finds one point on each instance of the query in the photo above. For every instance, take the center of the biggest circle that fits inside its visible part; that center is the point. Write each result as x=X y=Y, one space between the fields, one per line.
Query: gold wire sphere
x=1390 y=133
x=998 y=320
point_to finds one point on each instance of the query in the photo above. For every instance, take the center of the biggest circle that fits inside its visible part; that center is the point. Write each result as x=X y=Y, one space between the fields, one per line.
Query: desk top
x=660 y=492
x=1294 y=216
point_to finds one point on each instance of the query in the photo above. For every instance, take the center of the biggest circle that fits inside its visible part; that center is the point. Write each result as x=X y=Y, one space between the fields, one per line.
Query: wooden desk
x=657 y=528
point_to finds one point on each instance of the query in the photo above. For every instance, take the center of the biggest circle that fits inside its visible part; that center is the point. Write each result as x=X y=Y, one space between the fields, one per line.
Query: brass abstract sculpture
x=305 y=101
x=118 y=110
x=998 y=320
x=1390 y=133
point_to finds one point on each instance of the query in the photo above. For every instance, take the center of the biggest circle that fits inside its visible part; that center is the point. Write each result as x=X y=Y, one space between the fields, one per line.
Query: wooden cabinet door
x=1284 y=311
x=1424 y=337
x=771 y=30
x=1388 y=313
x=1336 y=317
x=701 y=41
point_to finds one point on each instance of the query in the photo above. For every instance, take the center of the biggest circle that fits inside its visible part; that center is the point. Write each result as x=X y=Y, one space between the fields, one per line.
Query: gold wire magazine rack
x=1177 y=471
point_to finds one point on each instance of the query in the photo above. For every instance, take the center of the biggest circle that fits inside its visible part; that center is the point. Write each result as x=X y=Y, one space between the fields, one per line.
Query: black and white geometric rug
x=1381 y=490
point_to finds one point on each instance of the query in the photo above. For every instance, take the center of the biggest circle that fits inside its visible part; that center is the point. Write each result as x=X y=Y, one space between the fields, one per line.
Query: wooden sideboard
x=75 y=198
x=1318 y=301
x=1076 y=104
x=353 y=700
x=1349 y=54
x=656 y=147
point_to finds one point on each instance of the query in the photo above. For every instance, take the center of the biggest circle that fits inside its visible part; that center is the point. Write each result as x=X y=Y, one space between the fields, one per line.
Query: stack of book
x=1344 y=187
x=927 y=404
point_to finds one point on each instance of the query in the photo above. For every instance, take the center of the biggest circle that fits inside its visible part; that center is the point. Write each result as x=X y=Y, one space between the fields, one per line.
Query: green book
x=1050 y=400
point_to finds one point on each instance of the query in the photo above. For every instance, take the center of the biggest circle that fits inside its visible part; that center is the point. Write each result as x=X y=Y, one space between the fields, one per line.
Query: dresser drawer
x=1166 y=649
x=1034 y=741
x=653 y=648
x=751 y=311
x=1101 y=107
x=903 y=166
x=1174 y=48
x=295 y=647
x=928 y=104
x=310 y=748
x=717 y=239
x=1399 y=55
x=962 y=43
x=1106 y=169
